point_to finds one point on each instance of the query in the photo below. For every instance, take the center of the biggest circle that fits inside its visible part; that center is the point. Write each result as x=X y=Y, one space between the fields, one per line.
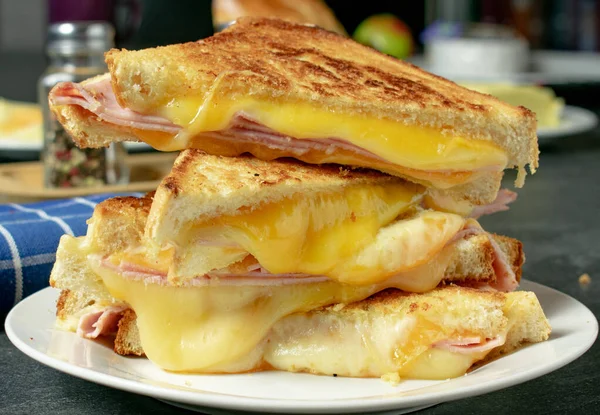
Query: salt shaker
x=75 y=52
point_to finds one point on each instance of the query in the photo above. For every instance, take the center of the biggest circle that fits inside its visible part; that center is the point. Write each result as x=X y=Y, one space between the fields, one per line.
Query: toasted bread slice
x=202 y=187
x=212 y=191
x=330 y=340
x=127 y=340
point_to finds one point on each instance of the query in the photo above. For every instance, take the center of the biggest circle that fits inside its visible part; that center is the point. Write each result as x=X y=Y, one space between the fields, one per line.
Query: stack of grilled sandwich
x=321 y=216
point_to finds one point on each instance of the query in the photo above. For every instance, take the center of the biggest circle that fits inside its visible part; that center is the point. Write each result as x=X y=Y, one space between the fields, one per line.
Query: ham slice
x=259 y=277
x=97 y=96
x=470 y=345
x=243 y=128
x=500 y=204
x=100 y=323
x=506 y=279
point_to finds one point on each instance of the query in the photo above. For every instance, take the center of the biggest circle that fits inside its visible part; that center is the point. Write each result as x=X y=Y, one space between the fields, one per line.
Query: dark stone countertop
x=556 y=217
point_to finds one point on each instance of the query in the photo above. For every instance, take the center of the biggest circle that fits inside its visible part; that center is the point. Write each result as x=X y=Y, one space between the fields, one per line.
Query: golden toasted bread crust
x=61 y=304
x=119 y=222
x=478 y=187
x=393 y=300
x=127 y=341
x=197 y=172
x=473 y=258
x=275 y=60
x=202 y=186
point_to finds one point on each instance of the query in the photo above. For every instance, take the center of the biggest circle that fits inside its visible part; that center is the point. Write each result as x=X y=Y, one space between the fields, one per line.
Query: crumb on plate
x=392 y=378
x=585 y=279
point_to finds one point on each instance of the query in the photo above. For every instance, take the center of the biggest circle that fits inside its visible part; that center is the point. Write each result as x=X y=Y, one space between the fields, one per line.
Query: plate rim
x=11 y=144
x=589 y=118
x=256 y=404
x=534 y=75
x=14 y=145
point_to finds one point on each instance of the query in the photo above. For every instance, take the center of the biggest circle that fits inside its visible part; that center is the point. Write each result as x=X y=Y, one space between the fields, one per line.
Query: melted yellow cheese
x=196 y=328
x=444 y=203
x=309 y=234
x=231 y=329
x=413 y=147
x=438 y=364
x=351 y=236
x=383 y=345
x=211 y=328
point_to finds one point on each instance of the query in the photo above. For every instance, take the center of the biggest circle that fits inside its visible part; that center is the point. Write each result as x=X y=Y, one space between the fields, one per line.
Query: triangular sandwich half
x=279 y=89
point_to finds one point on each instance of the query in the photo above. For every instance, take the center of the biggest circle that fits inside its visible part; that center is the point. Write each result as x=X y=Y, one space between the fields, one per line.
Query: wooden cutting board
x=24 y=182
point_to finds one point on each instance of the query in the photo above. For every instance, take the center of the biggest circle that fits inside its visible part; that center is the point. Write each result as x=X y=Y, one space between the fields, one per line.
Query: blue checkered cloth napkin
x=29 y=236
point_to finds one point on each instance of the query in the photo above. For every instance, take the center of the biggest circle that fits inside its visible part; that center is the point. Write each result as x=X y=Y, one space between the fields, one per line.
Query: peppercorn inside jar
x=69 y=166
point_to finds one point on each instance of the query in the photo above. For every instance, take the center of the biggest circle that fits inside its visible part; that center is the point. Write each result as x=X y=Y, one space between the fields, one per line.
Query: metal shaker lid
x=80 y=38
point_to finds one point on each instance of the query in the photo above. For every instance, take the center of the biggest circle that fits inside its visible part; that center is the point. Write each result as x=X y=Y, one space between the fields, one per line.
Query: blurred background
x=543 y=54
x=558 y=25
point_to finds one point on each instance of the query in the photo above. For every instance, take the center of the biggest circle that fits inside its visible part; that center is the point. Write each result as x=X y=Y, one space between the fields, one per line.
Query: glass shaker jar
x=75 y=52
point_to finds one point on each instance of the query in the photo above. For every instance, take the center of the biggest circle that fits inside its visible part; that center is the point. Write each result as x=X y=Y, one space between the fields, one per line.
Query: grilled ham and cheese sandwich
x=240 y=263
x=280 y=89
x=228 y=247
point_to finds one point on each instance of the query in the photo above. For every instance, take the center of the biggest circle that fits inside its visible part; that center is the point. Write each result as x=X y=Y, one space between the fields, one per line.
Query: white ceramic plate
x=17 y=144
x=30 y=327
x=19 y=149
x=546 y=67
x=573 y=120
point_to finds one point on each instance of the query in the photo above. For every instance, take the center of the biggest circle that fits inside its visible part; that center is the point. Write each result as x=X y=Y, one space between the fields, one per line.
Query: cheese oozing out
x=413 y=147
x=352 y=236
x=364 y=248
x=221 y=328
x=385 y=344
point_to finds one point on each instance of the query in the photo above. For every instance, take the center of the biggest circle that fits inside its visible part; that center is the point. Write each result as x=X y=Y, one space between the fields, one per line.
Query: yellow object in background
x=546 y=105
x=386 y=33
x=300 y=11
x=20 y=120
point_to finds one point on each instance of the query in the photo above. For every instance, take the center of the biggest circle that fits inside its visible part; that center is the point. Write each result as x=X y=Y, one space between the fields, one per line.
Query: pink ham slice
x=506 y=279
x=100 y=323
x=242 y=127
x=500 y=204
x=258 y=277
x=98 y=97
x=470 y=345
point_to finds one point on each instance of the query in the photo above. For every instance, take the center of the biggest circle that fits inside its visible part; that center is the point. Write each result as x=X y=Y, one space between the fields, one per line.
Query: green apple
x=387 y=34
